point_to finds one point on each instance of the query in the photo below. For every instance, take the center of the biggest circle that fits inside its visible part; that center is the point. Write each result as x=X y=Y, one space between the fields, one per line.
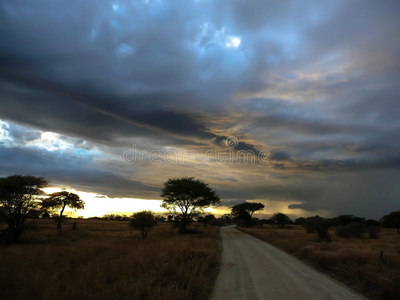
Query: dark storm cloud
x=280 y=156
x=313 y=82
x=102 y=121
x=81 y=77
x=368 y=193
x=71 y=169
x=236 y=144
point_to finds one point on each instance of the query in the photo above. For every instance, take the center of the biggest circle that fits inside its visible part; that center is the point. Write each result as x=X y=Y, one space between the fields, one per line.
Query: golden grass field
x=108 y=260
x=354 y=261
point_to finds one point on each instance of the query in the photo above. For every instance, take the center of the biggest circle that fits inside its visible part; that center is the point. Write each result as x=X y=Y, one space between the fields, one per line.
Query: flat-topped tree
x=187 y=196
x=244 y=211
x=61 y=200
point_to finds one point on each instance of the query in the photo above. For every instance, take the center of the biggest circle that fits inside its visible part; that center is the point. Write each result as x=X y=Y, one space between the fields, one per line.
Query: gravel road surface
x=253 y=269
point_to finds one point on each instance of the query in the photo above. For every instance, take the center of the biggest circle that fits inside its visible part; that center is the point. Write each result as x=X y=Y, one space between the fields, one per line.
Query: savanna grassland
x=103 y=259
x=357 y=262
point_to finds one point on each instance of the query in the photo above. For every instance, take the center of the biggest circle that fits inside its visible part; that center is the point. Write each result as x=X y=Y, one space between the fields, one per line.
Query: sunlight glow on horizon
x=97 y=205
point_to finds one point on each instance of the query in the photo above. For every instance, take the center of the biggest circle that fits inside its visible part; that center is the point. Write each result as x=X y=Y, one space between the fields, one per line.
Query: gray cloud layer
x=314 y=82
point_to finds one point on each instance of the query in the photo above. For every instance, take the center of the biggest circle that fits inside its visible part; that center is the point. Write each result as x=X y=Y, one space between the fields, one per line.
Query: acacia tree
x=392 y=220
x=143 y=221
x=244 y=211
x=18 y=198
x=187 y=196
x=281 y=219
x=61 y=200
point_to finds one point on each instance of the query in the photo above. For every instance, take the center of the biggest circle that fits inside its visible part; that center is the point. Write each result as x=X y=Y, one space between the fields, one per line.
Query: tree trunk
x=59 y=219
x=13 y=235
x=183 y=224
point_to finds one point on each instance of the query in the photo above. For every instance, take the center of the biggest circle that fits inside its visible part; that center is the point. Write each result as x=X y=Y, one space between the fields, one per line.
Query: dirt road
x=253 y=269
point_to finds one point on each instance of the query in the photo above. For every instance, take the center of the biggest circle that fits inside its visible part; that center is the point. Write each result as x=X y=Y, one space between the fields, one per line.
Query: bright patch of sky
x=97 y=205
x=115 y=6
x=211 y=36
x=12 y=135
x=233 y=41
x=124 y=50
x=51 y=141
x=4 y=133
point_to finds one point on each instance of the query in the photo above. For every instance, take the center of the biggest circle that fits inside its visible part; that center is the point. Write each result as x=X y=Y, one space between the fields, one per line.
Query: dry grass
x=107 y=260
x=356 y=262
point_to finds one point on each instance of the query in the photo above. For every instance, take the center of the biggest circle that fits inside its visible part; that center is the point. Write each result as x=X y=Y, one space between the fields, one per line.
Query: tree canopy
x=247 y=207
x=244 y=211
x=281 y=219
x=187 y=196
x=392 y=220
x=18 y=198
x=143 y=221
x=60 y=200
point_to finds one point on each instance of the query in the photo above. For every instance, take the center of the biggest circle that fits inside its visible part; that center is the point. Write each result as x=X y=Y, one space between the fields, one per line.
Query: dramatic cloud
x=310 y=88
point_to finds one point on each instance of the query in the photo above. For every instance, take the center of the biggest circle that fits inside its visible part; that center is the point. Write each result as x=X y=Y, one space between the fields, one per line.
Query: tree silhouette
x=392 y=220
x=281 y=219
x=310 y=223
x=245 y=211
x=19 y=197
x=300 y=221
x=61 y=200
x=143 y=221
x=188 y=196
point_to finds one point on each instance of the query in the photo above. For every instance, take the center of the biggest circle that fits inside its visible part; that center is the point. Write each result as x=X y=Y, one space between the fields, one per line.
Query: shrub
x=355 y=230
x=310 y=223
x=373 y=231
x=322 y=227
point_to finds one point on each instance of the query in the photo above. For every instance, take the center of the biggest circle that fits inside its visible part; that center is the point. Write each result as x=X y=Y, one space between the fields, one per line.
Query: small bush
x=318 y=225
x=373 y=232
x=311 y=222
x=321 y=228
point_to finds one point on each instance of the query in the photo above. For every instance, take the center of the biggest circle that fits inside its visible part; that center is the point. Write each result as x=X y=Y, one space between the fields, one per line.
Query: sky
x=294 y=104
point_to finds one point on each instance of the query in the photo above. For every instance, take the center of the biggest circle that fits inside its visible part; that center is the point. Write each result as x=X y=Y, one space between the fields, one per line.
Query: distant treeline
x=21 y=197
x=345 y=225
